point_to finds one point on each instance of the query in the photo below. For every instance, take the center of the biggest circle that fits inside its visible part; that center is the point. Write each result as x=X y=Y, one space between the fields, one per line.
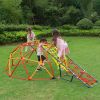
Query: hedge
x=11 y=37
x=20 y=36
x=14 y=36
x=22 y=27
x=74 y=32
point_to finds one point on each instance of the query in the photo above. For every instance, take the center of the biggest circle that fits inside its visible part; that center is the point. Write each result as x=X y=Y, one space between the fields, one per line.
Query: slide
x=69 y=66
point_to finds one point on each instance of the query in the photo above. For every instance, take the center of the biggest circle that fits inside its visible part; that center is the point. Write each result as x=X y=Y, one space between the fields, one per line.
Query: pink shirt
x=40 y=49
x=30 y=36
x=61 y=43
x=62 y=47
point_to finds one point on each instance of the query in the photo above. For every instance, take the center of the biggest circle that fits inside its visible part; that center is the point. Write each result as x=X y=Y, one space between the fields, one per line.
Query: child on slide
x=61 y=45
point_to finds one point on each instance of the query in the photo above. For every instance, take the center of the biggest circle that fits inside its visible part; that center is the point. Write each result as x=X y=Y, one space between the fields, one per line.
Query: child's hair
x=55 y=32
x=43 y=40
x=29 y=29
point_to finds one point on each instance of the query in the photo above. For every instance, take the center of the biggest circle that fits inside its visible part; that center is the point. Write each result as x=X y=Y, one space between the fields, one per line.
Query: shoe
x=39 y=69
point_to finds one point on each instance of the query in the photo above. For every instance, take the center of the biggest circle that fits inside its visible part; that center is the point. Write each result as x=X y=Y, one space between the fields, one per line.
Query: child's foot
x=53 y=77
x=58 y=77
x=39 y=69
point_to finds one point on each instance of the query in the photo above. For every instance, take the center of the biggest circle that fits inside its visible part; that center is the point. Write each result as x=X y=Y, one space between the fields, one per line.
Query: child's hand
x=31 y=38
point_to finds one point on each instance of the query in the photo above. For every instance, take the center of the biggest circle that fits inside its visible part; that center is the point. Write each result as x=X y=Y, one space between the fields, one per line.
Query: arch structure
x=24 y=64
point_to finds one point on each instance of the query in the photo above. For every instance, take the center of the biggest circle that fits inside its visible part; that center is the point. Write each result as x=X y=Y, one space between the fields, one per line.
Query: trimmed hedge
x=74 y=32
x=20 y=36
x=43 y=31
x=10 y=28
x=11 y=37
x=67 y=27
x=22 y=27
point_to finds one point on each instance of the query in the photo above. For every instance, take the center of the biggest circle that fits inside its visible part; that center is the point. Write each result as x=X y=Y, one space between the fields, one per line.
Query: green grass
x=84 y=51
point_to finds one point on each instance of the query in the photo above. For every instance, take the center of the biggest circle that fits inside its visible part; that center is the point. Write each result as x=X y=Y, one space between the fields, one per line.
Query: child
x=40 y=55
x=30 y=37
x=61 y=45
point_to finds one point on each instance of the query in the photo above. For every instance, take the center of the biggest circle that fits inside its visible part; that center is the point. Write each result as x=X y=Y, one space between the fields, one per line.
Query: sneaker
x=39 y=69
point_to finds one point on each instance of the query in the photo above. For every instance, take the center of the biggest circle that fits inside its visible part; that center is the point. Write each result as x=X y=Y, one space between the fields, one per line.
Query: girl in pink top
x=30 y=38
x=30 y=35
x=61 y=45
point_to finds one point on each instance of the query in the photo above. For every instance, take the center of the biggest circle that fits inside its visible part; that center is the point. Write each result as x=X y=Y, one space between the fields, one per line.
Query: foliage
x=21 y=27
x=14 y=27
x=66 y=27
x=10 y=11
x=94 y=17
x=11 y=37
x=71 y=15
x=97 y=23
x=85 y=24
x=9 y=34
x=47 y=12
x=20 y=36
x=97 y=6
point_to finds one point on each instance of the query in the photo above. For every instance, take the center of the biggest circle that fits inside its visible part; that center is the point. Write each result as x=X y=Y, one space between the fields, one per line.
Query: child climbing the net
x=62 y=46
x=30 y=38
x=40 y=56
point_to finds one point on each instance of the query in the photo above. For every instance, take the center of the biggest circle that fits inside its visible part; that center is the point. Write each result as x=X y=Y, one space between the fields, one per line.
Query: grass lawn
x=84 y=51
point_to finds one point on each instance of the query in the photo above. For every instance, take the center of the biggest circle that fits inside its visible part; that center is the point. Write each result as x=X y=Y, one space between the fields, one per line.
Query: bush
x=13 y=27
x=11 y=37
x=97 y=23
x=94 y=17
x=67 y=27
x=73 y=32
x=40 y=28
x=20 y=36
x=37 y=27
x=85 y=24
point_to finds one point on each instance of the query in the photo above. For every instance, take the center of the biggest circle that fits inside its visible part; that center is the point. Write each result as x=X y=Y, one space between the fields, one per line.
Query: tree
x=71 y=15
x=86 y=7
x=97 y=6
x=48 y=12
x=33 y=10
x=10 y=11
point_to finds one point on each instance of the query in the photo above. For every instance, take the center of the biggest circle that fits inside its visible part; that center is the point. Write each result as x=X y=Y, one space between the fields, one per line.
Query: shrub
x=94 y=17
x=13 y=27
x=22 y=27
x=11 y=37
x=20 y=36
x=73 y=32
x=85 y=24
x=97 y=23
x=68 y=27
x=37 y=27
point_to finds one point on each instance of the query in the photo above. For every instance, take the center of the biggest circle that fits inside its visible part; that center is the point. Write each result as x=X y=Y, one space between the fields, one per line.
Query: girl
x=30 y=37
x=61 y=45
x=40 y=55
